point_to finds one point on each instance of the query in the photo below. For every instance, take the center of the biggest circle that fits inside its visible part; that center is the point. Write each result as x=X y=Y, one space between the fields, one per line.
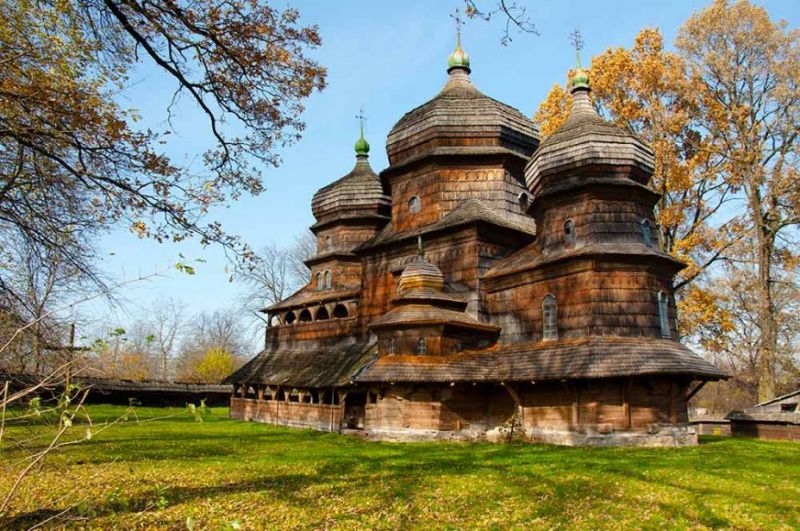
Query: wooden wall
x=323 y=417
x=603 y=406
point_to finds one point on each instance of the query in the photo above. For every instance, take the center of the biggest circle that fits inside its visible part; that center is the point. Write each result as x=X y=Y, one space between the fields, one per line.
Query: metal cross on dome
x=456 y=16
x=577 y=43
x=361 y=119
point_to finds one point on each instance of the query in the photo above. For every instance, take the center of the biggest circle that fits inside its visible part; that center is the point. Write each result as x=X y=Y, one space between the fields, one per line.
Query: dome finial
x=362 y=146
x=420 y=252
x=459 y=59
x=580 y=79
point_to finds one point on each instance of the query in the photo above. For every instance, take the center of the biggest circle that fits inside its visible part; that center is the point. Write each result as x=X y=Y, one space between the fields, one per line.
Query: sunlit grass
x=221 y=472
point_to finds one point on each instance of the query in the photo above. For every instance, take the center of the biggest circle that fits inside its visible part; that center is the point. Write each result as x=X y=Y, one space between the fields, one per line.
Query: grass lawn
x=222 y=473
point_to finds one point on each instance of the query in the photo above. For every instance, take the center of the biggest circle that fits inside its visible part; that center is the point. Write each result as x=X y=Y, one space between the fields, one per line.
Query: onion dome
x=358 y=193
x=459 y=58
x=461 y=119
x=586 y=139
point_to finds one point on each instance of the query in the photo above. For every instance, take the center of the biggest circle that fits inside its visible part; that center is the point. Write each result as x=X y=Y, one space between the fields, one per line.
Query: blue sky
x=388 y=57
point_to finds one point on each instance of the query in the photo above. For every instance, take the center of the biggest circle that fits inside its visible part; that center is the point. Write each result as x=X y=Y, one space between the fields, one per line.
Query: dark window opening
x=647 y=232
x=322 y=314
x=294 y=396
x=339 y=311
x=305 y=316
x=569 y=233
x=290 y=318
x=549 y=318
x=663 y=313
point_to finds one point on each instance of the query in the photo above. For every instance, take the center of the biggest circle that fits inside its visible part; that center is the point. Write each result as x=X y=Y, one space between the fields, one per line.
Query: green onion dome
x=459 y=58
x=362 y=146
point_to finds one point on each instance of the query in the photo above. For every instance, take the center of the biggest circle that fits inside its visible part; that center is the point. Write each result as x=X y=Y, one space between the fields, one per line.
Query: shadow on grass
x=294 y=466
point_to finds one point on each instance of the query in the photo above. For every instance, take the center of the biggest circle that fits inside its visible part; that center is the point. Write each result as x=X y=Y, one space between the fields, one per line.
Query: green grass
x=159 y=473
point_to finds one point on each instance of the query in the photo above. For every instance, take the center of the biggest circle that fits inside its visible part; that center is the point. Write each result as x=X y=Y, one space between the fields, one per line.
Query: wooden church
x=484 y=283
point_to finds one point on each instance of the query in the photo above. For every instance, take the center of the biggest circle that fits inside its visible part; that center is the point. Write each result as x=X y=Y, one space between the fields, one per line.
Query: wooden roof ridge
x=469 y=211
x=530 y=257
x=306 y=295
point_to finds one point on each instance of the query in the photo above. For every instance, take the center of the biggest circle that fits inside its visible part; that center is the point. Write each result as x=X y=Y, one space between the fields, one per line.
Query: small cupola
x=359 y=193
x=586 y=140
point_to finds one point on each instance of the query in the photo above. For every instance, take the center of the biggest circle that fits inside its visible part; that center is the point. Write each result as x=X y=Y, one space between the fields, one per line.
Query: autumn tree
x=73 y=162
x=213 y=346
x=721 y=115
x=742 y=68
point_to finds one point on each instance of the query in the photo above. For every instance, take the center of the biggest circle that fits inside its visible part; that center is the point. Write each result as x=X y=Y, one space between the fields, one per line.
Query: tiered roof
x=587 y=139
x=460 y=110
x=357 y=194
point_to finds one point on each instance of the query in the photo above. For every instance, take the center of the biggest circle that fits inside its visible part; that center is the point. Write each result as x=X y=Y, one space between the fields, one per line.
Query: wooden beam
x=673 y=418
x=695 y=390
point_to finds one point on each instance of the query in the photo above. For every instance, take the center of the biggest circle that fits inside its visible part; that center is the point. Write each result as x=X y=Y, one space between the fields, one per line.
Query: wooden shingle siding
x=443 y=263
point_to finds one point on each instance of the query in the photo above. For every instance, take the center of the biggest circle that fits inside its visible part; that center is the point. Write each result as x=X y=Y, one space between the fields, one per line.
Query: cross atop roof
x=361 y=119
x=456 y=16
x=577 y=43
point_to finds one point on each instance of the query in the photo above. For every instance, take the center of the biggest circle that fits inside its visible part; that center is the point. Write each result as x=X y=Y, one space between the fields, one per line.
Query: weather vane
x=577 y=43
x=361 y=119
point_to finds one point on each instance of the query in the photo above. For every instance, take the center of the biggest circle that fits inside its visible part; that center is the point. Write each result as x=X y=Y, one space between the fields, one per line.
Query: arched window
x=569 y=233
x=319 y=281
x=647 y=232
x=422 y=347
x=663 y=314
x=391 y=347
x=339 y=311
x=290 y=318
x=322 y=314
x=327 y=279
x=328 y=244
x=305 y=316
x=549 y=318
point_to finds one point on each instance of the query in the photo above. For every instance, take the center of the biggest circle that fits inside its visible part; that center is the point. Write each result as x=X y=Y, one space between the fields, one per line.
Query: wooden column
x=626 y=402
x=673 y=417
x=576 y=407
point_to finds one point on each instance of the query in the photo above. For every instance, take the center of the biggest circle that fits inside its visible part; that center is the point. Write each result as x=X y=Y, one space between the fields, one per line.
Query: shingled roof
x=603 y=357
x=322 y=365
x=530 y=257
x=586 y=139
x=465 y=213
x=461 y=110
x=359 y=190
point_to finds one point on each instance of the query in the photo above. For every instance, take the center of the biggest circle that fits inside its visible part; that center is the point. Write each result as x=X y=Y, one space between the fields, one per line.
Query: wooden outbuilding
x=540 y=302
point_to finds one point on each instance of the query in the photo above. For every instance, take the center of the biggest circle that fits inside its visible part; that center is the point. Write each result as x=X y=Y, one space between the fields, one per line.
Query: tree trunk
x=765 y=242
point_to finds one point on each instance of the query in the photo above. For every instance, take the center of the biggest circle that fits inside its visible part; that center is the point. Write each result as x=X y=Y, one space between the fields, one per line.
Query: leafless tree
x=166 y=322
x=511 y=13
